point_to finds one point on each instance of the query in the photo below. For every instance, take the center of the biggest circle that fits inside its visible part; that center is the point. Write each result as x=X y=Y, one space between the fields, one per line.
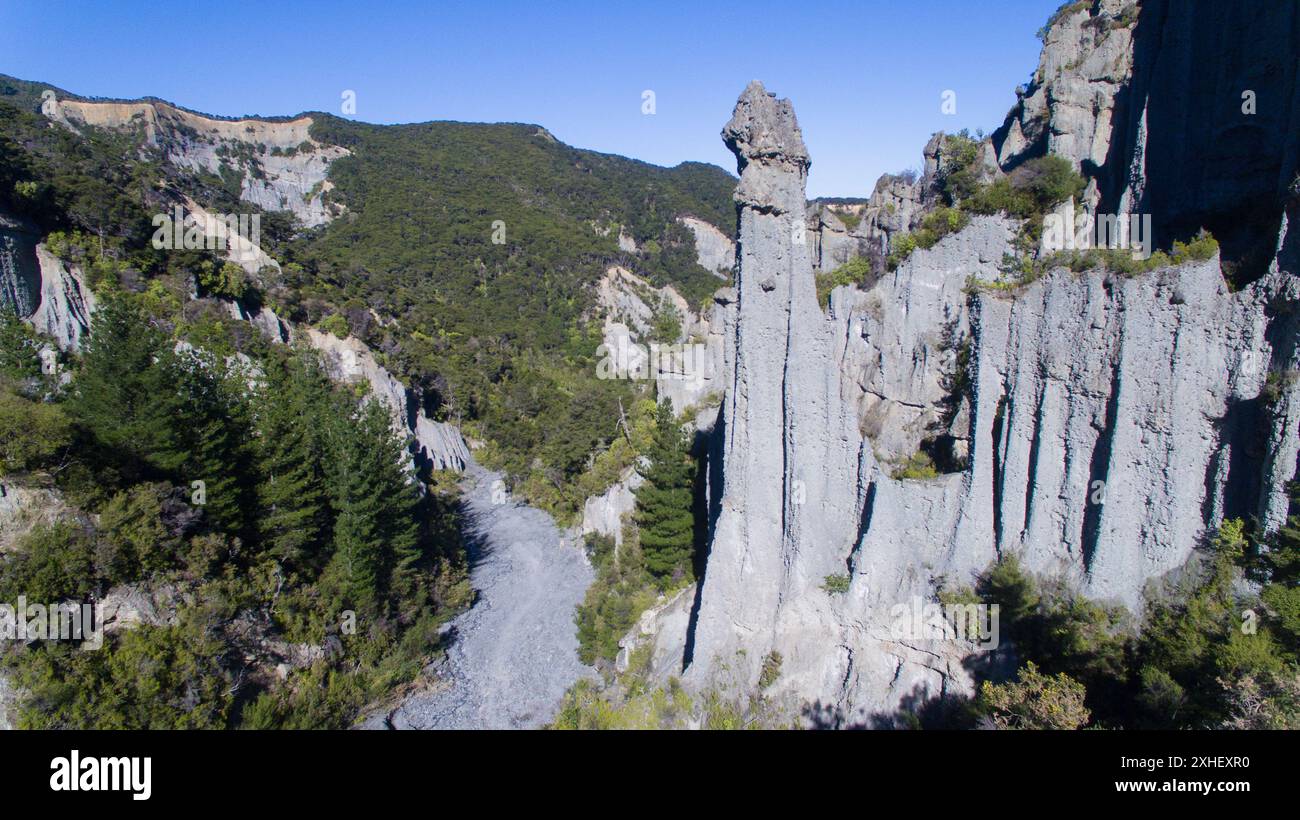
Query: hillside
x=465 y=254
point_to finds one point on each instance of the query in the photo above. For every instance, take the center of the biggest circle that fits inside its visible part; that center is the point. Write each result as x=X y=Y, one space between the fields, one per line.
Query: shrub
x=229 y=280
x=1050 y=180
x=1202 y=248
x=1069 y=8
x=918 y=467
x=836 y=584
x=935 y=226
x=853 y=272
x=900 y=247
x=771 y=670
x=53 y=562
x=1035 y=701
x=134 y=539
x=31 y=433
x=336 y=324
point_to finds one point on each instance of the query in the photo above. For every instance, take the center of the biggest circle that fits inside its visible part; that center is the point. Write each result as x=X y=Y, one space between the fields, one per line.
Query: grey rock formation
x=1068 y=109
x=833 y=243
x=66 y=302
x=8 y=695
x=23 y=507
x=1107 y=425
x=1187 y=111
x=19 y=277
x=515 y=652
x=686 y=375
x=130 y=605
x=40 y=287
x=604 y=514
x=714 y=250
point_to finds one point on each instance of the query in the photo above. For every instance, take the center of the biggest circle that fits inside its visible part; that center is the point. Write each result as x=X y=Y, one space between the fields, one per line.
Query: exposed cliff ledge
x=1110 y=424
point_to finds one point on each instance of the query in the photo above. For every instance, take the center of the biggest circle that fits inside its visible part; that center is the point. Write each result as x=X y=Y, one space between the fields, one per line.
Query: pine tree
x=665 y=501
x=19 y=347
x=376 y=540
x=292 y=513
x=118 y=392
x=202 y=422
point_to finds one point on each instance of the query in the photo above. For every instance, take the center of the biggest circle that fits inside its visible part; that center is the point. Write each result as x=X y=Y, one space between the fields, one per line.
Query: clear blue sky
x=866 y=77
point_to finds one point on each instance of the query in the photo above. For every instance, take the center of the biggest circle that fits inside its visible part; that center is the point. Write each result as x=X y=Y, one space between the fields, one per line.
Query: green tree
x=133 y=538
x=376 y=541
x=292 y=512
x=665 y=502
x=19 y=347
x=149 y=677
x=51 y=563
x=118 y=392
x=1281 y=594
x=206 y=440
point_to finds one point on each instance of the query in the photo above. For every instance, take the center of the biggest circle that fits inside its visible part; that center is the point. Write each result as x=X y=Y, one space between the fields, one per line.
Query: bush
x=31 y=433
x=853 y=272
x=836 y=584
x=52 y=563
x=1035 y=701
x=900 y=247
x=134 y=540
x=918 y=467
x=935 y=226
x=229 y=280
x=336 y=324
x=771 y=670
x=622 y=591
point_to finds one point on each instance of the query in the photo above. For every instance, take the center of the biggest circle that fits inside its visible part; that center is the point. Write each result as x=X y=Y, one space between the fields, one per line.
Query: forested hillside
x=465 y=257
x=497 y=332
x=295 y=570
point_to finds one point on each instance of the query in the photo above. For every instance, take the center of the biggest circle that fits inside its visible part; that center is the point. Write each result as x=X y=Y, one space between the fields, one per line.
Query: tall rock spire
x=750 y=547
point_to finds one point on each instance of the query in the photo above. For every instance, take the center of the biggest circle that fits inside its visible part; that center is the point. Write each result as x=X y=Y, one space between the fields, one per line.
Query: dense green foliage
x=854 y=272
x=475 y=246
x=665 y=502
x=1204 y=655
x=261 y=495
x=1021 y=270
x=658 y=547
x=622 y=591
x=483 y=242
x=1027 y=193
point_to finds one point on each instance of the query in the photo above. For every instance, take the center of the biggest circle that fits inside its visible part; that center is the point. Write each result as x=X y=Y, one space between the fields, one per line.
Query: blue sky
x=866 y=77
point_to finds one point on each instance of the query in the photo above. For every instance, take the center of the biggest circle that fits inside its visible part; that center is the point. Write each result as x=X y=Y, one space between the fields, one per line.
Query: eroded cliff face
x=281 y=168
x=437 y=445
x=1098 y=427
x=41 y=288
